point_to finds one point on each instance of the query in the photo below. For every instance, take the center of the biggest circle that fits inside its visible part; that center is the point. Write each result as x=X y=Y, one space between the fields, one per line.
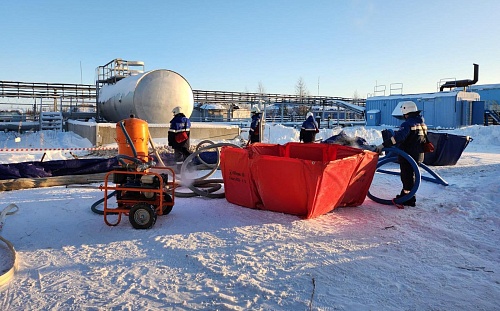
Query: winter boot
x=410 y=202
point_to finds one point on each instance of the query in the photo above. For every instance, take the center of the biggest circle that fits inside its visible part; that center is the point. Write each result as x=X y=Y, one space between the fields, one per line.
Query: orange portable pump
x=132 y=137
x=142 y=189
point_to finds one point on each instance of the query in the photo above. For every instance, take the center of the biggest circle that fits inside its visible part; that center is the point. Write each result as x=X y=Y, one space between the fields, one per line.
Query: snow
x=213 y=107
x=208 y=254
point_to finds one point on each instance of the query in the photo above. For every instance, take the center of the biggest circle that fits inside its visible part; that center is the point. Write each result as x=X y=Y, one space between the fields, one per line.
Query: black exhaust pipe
x=462 y=83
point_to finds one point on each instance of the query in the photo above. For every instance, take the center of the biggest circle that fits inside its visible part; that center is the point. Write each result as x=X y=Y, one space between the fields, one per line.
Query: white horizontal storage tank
x=149 y=96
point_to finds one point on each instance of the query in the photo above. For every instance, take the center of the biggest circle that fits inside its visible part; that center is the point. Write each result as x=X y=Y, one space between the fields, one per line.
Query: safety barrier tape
x=7 y=276
x=54 y=149
x=61 y=149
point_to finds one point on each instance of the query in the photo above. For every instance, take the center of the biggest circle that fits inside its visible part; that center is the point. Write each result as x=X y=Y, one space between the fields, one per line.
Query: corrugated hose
x=8 y=274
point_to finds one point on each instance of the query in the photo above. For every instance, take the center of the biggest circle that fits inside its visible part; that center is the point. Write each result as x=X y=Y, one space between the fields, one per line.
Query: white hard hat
x=309 y=114
x=255 y=110
x=177 y=110
x=408 y=106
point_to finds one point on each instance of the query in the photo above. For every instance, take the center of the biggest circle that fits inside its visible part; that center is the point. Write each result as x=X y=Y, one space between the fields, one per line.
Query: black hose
x=211 y=185
x=134 y=151
x=96 y=203
x=198 y=181
x=120 y=158
x=200 y=186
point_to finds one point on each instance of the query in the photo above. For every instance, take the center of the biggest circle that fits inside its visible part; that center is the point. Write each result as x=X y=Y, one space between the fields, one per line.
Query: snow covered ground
x=208 y=254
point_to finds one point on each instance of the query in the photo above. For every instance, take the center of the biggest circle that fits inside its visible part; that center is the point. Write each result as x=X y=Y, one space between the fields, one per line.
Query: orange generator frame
x=142 y=190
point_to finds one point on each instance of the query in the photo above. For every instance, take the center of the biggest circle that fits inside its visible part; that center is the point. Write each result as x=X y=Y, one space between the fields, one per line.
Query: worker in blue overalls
x=178 y=135
x=254 y=135
x=309 y=129
x=410 y=138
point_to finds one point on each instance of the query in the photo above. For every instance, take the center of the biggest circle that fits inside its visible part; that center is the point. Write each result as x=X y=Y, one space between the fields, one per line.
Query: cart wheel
x=167 y=208
x=142 y=216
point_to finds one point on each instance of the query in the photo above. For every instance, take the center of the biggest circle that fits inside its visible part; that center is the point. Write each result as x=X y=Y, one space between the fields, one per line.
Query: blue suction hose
x=435 y=177
x=418 y=177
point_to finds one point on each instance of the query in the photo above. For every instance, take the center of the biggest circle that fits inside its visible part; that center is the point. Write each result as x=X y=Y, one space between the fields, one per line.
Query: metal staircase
x=493 y=115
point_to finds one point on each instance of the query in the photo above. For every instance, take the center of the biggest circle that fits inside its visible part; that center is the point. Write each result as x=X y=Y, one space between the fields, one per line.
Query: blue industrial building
x=464 y=104
x=490 y=95
x=450 y=109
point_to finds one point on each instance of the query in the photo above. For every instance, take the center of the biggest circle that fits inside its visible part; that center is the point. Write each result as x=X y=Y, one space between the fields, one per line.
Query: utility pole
x=318 y=86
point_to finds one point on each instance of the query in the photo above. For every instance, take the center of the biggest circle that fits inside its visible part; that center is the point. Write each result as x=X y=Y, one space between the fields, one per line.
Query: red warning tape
x=54 y=149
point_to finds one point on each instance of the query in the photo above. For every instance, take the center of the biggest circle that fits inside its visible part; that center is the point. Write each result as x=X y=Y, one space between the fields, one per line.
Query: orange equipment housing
x=141 y=190
x=138 y=132
x=307 y=180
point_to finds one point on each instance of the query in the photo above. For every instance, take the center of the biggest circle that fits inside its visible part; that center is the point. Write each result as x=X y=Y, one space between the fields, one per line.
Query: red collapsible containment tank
x=307 y=180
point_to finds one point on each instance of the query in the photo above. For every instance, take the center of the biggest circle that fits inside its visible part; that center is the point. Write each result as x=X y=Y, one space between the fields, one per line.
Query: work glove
x=379 y=148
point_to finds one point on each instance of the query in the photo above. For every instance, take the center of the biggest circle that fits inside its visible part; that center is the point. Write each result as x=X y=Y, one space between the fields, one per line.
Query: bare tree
x=301 y=89
x=303 y=110
x=261 y=89
x=355 y=97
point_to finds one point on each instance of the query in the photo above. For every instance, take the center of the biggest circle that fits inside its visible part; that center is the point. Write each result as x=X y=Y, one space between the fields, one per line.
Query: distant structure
x=464 y=104
x=451 y=109
x=490 y=94
x=123 y=87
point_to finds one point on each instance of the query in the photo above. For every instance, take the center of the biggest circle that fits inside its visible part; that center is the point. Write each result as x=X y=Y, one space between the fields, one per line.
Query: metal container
x=149 y=96
x=133 y=131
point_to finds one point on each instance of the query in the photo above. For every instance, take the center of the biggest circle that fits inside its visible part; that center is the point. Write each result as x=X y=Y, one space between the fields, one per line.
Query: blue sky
x=336 y=47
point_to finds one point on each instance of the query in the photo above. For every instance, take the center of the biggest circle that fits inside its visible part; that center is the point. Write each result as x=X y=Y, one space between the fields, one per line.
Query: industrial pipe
x=462 y=83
